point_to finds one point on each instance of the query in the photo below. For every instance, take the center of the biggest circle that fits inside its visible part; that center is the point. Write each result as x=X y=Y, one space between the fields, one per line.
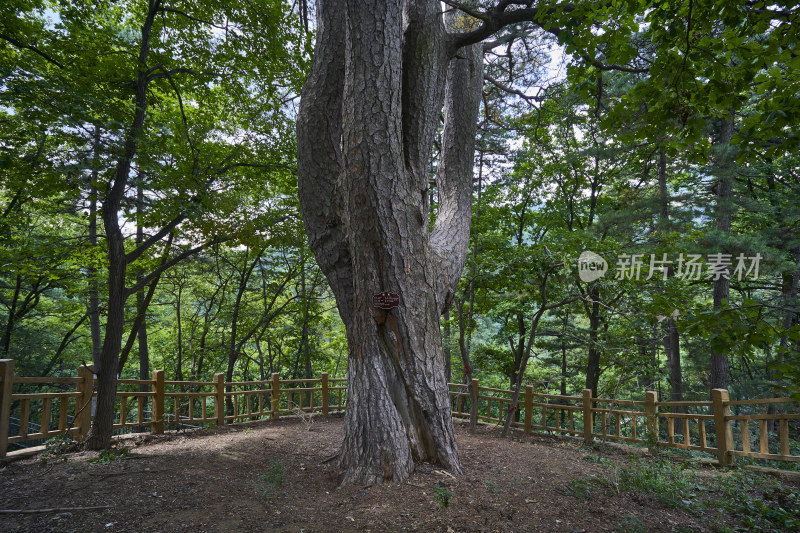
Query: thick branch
x=497 y=18
x=169 y=264
x=450 y=237
x=424 y=69
x=133 y=255
x=33 y=49
x=194 y=19
x=168 y=73
x=319 y=162
x=510 y=90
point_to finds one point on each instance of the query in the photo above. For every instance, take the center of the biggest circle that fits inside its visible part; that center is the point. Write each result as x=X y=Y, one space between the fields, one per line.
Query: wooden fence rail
x=173 y=404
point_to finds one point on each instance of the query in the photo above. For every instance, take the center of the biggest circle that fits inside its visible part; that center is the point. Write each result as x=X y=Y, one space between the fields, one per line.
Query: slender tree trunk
x=671 y=335
x=448 y=371
x=724 y=164
x=5 y=343
x=563 y=380
x=233 y=346
x=99 y=436
x=672 y=347
x=141 y=309
x=593 y=361
x=304 y=343
x=91 y=271
x=179 y=340
x=463 y=346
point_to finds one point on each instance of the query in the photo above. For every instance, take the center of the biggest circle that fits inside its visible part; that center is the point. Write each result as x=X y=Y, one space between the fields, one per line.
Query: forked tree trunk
x=367 y=121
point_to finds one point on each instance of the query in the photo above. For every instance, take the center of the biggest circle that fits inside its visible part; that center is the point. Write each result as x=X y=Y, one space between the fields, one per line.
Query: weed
x=597 y=460
x=442 y=495
x=762 y=504
x=666 y=480
x=305 y=417
x=631 y=524
x=577 y=488
x=107 y=457
x=268 y=483
x=58 y=447
x=492 y=488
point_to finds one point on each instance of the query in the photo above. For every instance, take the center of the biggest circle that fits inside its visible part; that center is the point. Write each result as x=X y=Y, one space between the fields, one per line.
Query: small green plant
x=107 y=457
x=577 y=488
x=442 y=495
x=778 y=506
x=269 y=482
x=490 y=486
x=58 y=447
x=631 y=524
x=597 y=460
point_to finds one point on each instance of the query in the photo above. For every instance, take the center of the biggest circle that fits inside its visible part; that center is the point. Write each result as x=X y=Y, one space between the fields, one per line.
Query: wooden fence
x=701 y=426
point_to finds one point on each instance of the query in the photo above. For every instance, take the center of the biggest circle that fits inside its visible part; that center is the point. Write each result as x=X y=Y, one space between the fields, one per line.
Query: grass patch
x=631 y=524
x=758 y=502
x=669 y=482
x=269 y=482
x=107 y=457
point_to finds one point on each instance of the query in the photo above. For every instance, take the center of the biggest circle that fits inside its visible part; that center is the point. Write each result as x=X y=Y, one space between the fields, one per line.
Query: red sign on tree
x=386 y=300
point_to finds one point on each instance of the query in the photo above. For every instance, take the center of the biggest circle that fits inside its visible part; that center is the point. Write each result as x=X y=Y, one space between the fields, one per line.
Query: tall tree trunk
x=563 y=378
x=517 y=349
x=179 y=340
x=448 y=371
x=724 y=170
x=99 y=436
x=5 y=343
x=593 y=361
x=305 y=347
x=141 y=309
x=671 y=334
x=234 y=346
x=463 y=346
x=91 y=271
x=368 y=116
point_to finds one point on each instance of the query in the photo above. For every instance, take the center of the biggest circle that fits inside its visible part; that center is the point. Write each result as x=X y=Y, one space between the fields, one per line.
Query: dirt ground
x=275 y=476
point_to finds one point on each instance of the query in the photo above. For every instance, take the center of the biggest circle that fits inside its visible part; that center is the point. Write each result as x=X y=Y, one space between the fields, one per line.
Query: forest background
x=664 y=143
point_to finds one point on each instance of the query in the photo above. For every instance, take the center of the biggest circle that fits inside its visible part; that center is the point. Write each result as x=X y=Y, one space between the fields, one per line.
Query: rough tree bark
x=671 y=336
x=383 y=71
x=725 y=169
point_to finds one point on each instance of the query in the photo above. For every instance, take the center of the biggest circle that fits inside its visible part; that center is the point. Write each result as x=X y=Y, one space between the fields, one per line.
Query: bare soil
x=276 y=476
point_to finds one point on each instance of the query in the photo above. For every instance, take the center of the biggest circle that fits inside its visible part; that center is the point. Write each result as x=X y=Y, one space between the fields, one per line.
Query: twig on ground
x=54 y=509
x=331 y=458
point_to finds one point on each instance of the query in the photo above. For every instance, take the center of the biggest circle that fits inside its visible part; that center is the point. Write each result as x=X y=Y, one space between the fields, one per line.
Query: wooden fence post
x=7 y=375
x=720 y=399
x=83 y=405
x=528 y=408
x=276 y=394
x=588 y=417
x=651 y=415
x=219 y=398
x=158 y=402
x=324 y=393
